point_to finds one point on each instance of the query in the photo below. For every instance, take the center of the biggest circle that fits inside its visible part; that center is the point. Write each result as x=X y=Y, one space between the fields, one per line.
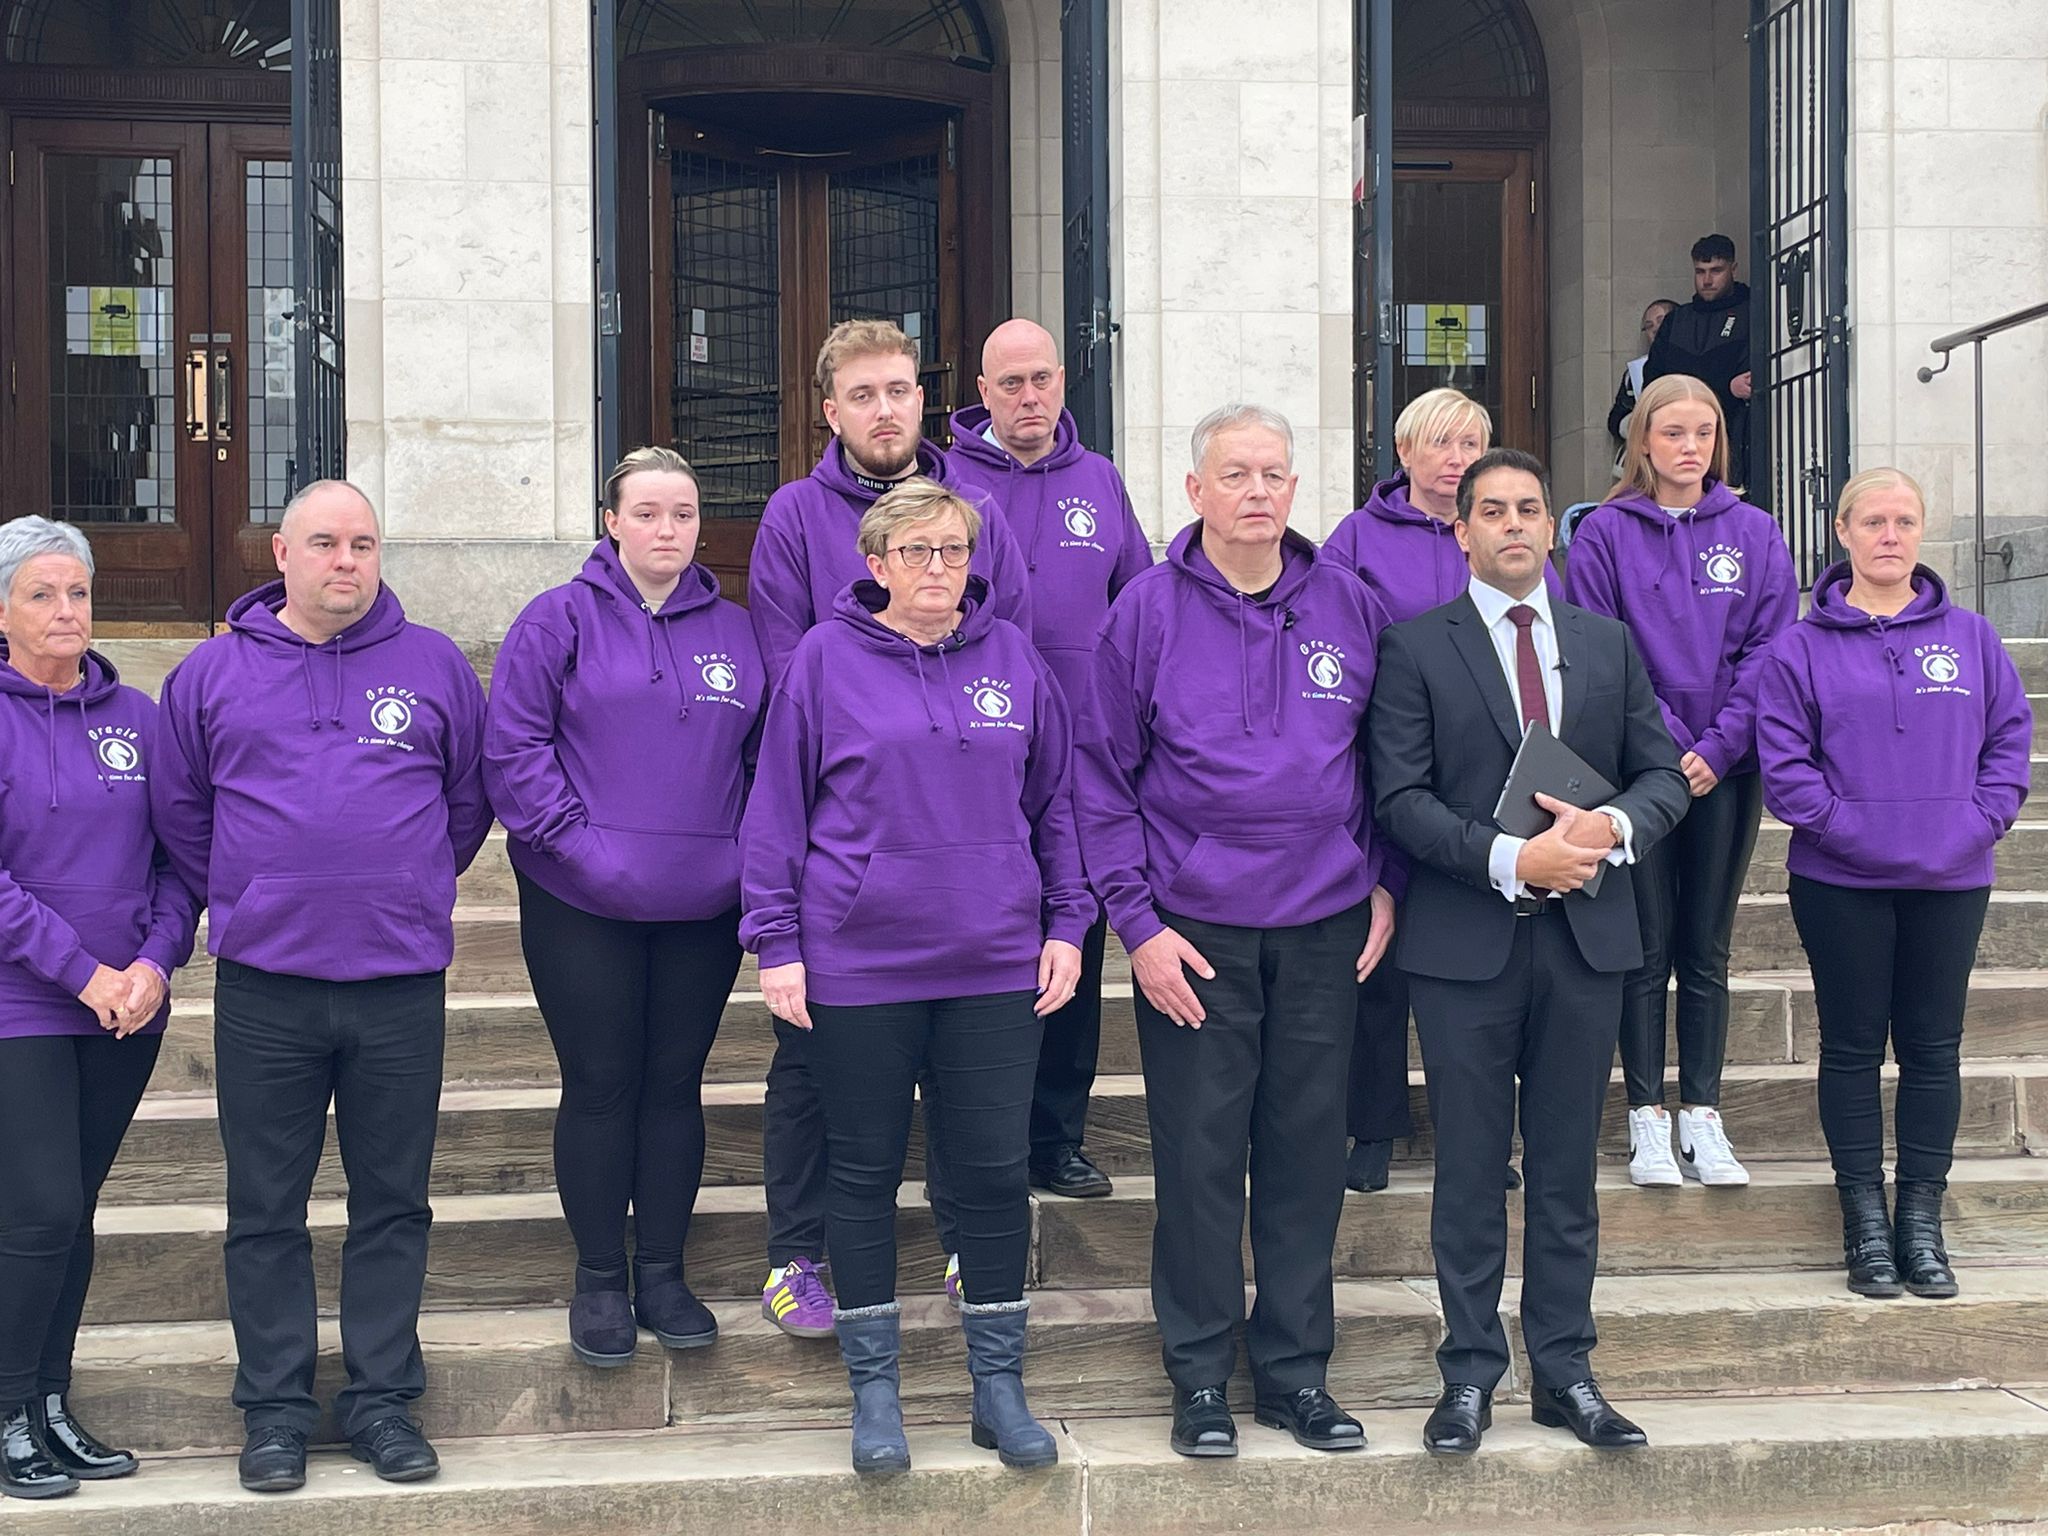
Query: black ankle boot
x=72 y=1446
x=1922 y=1257
x=1867 y=1242
x=601 y=1330
x=27 y=1469
x=668 y=1309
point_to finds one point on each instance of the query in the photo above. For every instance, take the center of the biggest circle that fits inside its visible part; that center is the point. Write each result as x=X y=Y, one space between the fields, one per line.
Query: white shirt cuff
x=1623 y=852
x=1500 y=865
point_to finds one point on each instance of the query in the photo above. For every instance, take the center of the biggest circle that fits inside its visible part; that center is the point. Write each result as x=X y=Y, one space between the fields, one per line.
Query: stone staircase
x=1775 y=1401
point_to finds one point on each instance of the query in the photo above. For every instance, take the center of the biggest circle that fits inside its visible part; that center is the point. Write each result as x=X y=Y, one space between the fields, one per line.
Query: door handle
x=224 y=395
x=198 y=406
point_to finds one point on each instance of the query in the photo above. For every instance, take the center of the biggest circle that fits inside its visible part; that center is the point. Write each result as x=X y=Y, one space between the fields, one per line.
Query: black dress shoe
x=396 y=1450
x=1366 y=1169
x=273 y=1460
x=1314 y=1419
x=1460 y=1417
x=1202 y=1425
x=72 y=1446
x=27 y=1469
x=1068 y=1172
x=1581 y=1409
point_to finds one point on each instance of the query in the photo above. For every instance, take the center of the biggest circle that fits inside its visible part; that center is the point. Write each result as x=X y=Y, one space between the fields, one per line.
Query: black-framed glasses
x=918 y=557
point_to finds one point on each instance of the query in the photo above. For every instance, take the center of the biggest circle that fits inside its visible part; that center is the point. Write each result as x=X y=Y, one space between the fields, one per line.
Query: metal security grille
x=321 y=427
x=1084 y=47
x=1799 y=278
x=882 y=233
x=726 y=412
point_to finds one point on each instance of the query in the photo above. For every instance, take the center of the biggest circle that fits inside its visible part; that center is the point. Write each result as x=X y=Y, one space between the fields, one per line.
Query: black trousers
x=1889 y=964
x=1066 y=1061
x=983 y=1053
x=632 y=1009
x=1548 y=1020
x=1260 y=1084
x=65 y=1103
x=1377 y=1106
x=1687 y=887
x=285 y=1047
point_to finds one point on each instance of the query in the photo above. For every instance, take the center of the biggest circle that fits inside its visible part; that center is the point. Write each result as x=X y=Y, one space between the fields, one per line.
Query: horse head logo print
x=1940 y=667
x=391 y=717
x=720 y=676
x=1723 y=567
x=119 y=755
x=992 y=702
x=1080 y=522
x=1324 y=670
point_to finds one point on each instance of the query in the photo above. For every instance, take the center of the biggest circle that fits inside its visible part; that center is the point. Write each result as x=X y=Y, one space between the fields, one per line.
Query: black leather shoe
x=1917 y=1243
x=1460 y=1417
x=1581 y=1409
x=1068 y=1172
x=1314 y=1419
x=273 y=1460
x=1867 y=1249
x=27 y=1469
x=669 y=1309
x=1202 y=1425
x=72 y=1446
x=1366 y=1169
x=396 y=1450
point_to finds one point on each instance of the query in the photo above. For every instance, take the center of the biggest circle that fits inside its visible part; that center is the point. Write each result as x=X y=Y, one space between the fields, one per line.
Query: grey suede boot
x=995 y=1358
x=870 y=1340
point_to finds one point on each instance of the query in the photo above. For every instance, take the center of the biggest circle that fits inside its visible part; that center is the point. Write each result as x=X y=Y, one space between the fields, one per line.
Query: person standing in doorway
x=1630 y=389
x=1071 y=517
x=1708 y=339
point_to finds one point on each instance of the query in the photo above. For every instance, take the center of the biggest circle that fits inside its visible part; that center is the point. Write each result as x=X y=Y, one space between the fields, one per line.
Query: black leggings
x=1686 y=892
x=1889 y=963
x=65 y=1104
x=632 y=1009
x=983 y=1054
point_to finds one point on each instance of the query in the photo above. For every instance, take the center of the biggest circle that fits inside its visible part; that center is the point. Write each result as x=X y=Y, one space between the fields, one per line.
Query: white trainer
x=1650 y=1163
x=1703 y=1150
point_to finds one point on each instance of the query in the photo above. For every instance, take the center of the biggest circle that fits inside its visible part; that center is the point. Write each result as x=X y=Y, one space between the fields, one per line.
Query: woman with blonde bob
x=1705 y=584
x=912 y=883
x=1894 y=734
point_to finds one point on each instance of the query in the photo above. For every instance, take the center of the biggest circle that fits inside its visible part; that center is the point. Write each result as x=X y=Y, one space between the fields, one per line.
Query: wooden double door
x=148 y=318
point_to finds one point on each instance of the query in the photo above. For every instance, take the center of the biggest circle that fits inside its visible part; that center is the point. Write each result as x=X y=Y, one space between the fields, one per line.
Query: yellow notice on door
x=1448 y=328
x=111 y=323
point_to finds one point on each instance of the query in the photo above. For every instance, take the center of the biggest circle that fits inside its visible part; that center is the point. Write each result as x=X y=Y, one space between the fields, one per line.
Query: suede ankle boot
x=995 y=1357
x=601 y=1330
x=668 y=1309
x=870 y=1342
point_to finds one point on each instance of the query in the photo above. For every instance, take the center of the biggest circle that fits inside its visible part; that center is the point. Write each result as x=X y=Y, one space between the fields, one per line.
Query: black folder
x=1545 y=765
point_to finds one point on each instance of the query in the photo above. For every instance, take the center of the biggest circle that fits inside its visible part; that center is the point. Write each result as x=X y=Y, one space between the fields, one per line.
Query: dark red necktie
x=1528 y=670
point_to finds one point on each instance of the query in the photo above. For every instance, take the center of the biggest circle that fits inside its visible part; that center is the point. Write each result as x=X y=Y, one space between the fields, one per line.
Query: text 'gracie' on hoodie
x=324 y=797
x=83 y=882
x=618 y=739
x=1411 y=560
x=1071 y=517
x=808 y=551
x=1895 y=748
x=1222 y=772
x=910 y=834
x=1703 y=592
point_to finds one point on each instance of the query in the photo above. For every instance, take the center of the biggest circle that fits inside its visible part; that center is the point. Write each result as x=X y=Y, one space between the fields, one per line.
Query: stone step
x=162 y=1263
x=2031 y=657
x=1723 y=1464
x=2022 y=858
x=2015 y=934
x=2007 y=1014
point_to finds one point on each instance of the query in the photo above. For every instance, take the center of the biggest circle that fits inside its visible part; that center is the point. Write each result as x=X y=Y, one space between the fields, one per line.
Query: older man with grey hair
x=1240 y=663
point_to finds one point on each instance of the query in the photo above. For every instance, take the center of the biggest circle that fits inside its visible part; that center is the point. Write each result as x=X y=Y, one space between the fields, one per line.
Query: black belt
x=1537 y=906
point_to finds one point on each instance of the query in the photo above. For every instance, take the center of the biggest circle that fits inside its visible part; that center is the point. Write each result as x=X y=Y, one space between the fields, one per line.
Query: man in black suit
x=1516 y=971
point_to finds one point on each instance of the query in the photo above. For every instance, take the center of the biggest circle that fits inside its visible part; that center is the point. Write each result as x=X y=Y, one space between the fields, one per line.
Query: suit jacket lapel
x=1468 y=633
x=1571 y=649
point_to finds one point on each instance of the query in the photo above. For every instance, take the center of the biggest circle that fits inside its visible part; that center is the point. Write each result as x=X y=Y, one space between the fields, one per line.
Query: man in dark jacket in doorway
x=1709 y=339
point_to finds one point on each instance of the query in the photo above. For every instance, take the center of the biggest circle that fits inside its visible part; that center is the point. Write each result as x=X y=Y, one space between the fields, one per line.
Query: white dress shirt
x=1493 y=605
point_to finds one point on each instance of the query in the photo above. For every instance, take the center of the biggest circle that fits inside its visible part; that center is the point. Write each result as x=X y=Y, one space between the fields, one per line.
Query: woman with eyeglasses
x=913 y=887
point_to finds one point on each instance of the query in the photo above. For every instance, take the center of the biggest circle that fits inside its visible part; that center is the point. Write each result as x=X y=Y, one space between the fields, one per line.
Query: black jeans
x=983 y=1053
x=1261 y=1082
x=1687 y=887
x=1889 y=964
x=632 y=1009
x=1066 y=1062
x=1377 y=1104
x=285 y=1047
x=65 y=1103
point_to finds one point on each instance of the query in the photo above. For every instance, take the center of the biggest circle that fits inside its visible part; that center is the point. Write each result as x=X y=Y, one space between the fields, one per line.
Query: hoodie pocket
x=1907 y=843
x=970 y=904
x=1226 y=874
x=111 y=921
x=652 y=876
x=303 y=924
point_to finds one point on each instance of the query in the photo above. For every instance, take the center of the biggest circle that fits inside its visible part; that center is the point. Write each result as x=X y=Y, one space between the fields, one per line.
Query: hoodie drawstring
x=306 y=676
x=1244 y=671
x=337 y=682
x=51 y=703
x=924 y=690
x=654 y=669
x=50 y=725
x=1898 y=663
x=1280 y=622
x=946 y=681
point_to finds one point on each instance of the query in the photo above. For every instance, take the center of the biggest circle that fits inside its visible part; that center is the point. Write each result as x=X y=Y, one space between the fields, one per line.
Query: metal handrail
x=1974 y=337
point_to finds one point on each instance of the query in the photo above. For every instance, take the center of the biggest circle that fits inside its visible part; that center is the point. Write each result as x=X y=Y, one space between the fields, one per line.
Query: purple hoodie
x=1072 y=517
x=807 y=553
x=1895 y=748
x=1410 y=560
x=1704 y=595
x=1221 y=771
x=82 y=881
x=324 y=797
x=592 y=694
x=911 y=831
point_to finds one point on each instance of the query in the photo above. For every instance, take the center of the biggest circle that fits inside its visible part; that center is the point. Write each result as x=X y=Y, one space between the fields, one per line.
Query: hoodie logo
x=390 y=717
x=1942 y=666
x=720 y=674
x=1722 y=566
x=1325 y=664
x=991 y=699
x=1078 y=515
x=1081 y=522
x=119 y=750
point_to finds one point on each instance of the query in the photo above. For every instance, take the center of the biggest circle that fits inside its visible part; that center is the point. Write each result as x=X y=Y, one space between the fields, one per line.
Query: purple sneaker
x=796 y=1301
x=953 y=1291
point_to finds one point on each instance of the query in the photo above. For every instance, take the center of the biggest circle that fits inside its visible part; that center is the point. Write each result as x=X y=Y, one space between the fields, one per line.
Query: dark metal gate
x=1372 y=197
x=320 y=431
x=1084 y=48
x=1799 y=277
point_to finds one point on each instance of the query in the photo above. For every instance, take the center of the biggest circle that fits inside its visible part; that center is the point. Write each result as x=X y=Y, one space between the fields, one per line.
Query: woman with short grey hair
x=92 y=923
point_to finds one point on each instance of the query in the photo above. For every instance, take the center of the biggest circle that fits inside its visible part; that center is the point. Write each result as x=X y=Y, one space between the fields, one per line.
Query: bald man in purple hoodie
x=320 y=778
x=1072 y=517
